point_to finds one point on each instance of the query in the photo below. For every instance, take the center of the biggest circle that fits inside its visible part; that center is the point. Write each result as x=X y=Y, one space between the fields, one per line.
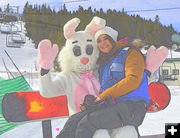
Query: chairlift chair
x=14 y=29
x=23 y=36
x=169 y=77
x=14 y=40
x=5 y=28
x=19 y=24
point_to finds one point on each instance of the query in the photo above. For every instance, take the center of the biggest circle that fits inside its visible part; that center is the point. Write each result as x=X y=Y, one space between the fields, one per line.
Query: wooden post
x=47 y=129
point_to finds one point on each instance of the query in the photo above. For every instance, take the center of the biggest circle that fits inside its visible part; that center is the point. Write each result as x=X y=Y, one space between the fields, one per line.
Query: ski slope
x=26 y=58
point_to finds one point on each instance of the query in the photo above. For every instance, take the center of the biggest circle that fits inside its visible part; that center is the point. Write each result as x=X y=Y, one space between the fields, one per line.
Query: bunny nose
x=84 y=60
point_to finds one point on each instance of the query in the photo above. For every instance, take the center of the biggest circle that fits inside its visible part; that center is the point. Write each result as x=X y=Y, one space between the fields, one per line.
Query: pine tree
x=7 y=8
x=157 y=19
x=38 y=27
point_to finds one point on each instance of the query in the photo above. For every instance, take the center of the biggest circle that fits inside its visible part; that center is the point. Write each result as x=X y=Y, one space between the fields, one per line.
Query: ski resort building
x=170 y=72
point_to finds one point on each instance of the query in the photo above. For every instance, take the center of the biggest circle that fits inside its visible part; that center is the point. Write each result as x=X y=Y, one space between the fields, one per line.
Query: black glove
x=44 y=71
x=89 y=102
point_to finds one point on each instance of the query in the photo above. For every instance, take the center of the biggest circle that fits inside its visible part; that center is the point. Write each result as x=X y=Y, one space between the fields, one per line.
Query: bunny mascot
x=79 y=75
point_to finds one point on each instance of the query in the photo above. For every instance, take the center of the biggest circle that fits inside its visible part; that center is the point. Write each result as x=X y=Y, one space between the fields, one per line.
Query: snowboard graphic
x=159 y=95
x=27 y=106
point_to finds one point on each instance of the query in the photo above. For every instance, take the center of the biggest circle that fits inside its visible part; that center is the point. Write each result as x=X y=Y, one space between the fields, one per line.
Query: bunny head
x=80 y=52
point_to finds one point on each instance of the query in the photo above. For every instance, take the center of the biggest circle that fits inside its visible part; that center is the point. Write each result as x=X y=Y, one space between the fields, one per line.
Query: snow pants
x=85 y=123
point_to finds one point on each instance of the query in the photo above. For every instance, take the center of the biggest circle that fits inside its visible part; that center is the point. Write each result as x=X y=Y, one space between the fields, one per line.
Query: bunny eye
x=77 y=50
x=89 y=49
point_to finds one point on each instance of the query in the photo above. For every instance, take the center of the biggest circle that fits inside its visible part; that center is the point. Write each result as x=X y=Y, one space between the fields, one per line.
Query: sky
x=167 y=17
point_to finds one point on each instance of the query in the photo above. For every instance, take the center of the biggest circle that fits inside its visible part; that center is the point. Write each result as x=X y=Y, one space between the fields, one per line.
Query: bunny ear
x=96 y=24
x=70 y=26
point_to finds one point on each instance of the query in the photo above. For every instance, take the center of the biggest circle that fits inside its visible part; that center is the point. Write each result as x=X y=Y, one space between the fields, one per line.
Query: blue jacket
x=114 y=71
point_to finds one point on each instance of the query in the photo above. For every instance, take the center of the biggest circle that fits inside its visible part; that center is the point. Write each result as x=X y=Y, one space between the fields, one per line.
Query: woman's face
x=104 y=44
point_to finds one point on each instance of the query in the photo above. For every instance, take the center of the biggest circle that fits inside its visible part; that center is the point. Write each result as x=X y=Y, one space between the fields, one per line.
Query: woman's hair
x=104 y=57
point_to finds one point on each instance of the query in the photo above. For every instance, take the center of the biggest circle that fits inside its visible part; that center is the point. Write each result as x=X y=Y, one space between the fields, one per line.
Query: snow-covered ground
x=26 y=57
x=154 y=123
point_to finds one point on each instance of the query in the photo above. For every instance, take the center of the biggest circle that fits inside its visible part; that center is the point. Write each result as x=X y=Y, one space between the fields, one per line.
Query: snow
x=154 y=123
x=34 y=130
x=174 y=54
x=26 y=58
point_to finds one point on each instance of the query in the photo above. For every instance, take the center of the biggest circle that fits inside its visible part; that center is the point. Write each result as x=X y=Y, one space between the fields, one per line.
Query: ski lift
x=1 y=16
x=171 y=76
x=5 y=28
x=14 y=29
x=23 y=37
x=11 y=9
x=15 y=40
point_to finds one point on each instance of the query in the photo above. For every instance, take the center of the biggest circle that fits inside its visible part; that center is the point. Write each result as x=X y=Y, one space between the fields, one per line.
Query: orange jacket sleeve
x=134 y=69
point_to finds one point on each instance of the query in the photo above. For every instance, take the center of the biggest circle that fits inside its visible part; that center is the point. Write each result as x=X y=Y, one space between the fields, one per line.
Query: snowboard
x=159 y=95
x=27 y=106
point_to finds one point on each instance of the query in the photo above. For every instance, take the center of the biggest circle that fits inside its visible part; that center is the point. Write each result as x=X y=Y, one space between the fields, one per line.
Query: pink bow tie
x=91 y=82
x=87 y=75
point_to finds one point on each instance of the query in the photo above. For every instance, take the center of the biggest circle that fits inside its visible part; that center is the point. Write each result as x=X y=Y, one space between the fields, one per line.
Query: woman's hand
x=98 y=99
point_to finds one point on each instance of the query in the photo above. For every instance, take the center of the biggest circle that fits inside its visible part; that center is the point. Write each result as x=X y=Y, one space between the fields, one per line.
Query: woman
x=123 y=77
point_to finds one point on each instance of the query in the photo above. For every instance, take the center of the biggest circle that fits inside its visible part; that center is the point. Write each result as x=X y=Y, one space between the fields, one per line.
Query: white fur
x=69 y=62
x=70 y=26
x=71 y=66
x=124 y=132
x=101 y=133
x=67 y=80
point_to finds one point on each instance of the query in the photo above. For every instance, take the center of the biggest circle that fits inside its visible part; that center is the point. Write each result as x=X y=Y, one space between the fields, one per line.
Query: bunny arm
x=52 y=87
x=47 y=53
x=155 y=58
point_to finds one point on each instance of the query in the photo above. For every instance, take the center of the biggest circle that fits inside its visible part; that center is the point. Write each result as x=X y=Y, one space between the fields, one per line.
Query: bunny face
x=80 y=52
